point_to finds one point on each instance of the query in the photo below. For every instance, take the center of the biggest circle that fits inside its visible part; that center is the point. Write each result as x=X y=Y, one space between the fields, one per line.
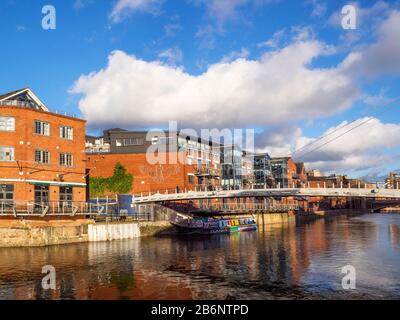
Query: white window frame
x=68 y=159
x=67 y=132
x=7 y=123
x=3 y=154
x=44 y=128
x=42 y=156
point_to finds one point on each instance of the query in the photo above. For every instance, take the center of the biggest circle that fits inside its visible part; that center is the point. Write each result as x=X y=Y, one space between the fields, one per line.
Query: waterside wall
x=43 y=232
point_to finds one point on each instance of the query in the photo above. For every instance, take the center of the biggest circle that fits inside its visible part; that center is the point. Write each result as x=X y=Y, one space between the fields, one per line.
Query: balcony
x=206 y=172
x=15 y=103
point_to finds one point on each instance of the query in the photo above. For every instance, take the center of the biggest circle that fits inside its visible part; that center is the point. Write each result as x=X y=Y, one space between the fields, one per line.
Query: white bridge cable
x=340 y=135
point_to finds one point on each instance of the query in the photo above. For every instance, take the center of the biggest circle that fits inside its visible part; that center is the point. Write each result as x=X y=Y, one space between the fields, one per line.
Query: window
x=6 y=154
x=133 y=142
x=6 y=192
x=42 y=128
x=66 y=196
x=42 y=156
x=191 y=178
x=7 y=124
x=67 y=133
x=66 y=159
x=154 y=140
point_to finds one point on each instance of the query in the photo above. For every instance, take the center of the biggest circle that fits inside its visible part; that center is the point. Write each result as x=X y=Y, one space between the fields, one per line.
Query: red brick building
x=183 y=162
x=42 y=155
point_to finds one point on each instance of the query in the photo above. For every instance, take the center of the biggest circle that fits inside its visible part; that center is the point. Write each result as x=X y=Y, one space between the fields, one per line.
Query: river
x=290 y=261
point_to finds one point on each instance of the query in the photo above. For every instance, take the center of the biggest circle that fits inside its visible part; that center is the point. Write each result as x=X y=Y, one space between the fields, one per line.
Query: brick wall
x=147 y=177
x=25 y=141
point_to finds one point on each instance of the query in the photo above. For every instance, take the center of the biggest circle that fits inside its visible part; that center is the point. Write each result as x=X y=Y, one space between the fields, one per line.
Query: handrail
x=54 y=208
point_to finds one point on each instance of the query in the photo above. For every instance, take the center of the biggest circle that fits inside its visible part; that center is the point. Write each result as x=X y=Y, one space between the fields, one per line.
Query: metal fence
x=67 y=208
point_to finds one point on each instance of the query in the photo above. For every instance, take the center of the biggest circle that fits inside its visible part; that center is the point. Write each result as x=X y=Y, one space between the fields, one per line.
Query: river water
x=291 y=261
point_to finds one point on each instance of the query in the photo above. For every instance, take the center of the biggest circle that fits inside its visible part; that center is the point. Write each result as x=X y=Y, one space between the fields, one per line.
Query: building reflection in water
x=289 y=260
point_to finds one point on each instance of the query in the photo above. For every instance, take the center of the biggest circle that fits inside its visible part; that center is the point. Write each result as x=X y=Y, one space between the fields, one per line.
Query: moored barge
x=208 y=225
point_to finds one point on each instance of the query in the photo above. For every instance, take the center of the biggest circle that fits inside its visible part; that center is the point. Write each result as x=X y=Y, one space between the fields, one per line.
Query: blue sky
x=286 y=68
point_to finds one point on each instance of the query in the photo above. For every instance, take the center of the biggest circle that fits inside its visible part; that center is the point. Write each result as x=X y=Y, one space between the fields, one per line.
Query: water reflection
x=278 y=261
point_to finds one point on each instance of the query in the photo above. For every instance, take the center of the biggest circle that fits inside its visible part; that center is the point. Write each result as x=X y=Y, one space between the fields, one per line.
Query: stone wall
x=21 y=233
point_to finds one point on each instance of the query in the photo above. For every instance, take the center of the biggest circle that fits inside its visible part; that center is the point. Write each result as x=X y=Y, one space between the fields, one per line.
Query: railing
x=68 y=208
x=16 y=103
x=235 y=207
x=25 y=104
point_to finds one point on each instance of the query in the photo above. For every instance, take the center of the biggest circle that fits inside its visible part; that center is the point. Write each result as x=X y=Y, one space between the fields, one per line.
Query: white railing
x=59 y=208
x=16 y=103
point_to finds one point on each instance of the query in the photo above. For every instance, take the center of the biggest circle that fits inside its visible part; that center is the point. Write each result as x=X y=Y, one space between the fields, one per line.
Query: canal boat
x=208 y=225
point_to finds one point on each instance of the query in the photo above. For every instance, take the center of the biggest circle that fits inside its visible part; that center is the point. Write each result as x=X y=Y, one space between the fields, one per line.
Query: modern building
x=42 y=154
x=158 y=160
x=283 y=172
x=263 y=177
x=248 y=170
x=231 y=167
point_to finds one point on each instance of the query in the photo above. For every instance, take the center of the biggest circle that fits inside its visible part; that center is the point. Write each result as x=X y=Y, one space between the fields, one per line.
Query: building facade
x=263 y=171
x=231 y=167
x=159 y=160
x=42 y=155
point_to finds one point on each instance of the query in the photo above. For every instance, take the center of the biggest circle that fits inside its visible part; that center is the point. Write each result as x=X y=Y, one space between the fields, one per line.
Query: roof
x=299 y=166
x=11 y=96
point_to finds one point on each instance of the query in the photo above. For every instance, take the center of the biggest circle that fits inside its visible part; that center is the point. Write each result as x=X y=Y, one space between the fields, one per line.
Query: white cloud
x=79 y=4
x=172 y=28
x=273 y=42
x=234 y=55
x=223 y=10
x=172 y=56
x=354 y=146
x=124 y=8
x=319 y=8
x=277 y=87
x=381 y=57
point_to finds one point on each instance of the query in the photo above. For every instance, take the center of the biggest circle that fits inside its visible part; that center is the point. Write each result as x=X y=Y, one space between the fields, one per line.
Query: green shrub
x=119 y=183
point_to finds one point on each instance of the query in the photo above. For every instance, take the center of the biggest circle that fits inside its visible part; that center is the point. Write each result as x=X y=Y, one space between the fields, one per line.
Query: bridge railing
x=239 y=208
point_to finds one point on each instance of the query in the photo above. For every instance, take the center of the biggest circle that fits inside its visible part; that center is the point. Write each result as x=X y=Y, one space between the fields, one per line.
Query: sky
x=326 y=95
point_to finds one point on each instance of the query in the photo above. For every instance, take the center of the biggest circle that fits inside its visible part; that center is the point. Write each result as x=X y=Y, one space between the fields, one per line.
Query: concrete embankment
x=46 y=232
x=42 y=232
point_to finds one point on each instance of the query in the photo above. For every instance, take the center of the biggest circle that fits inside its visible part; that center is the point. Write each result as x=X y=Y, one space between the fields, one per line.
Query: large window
x=133 y=142
x=42 y=156
x=6 y=192
x=66 y=132
x=66 y=159
x=6 y=154
x=42 y=128
x=7 y=124
x=66 y=196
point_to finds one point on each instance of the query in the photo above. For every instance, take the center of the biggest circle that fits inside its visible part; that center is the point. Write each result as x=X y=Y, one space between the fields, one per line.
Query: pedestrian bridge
x=283 y=192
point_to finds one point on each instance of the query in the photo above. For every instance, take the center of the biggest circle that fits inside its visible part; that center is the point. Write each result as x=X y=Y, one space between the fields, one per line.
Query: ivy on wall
x=119 y=183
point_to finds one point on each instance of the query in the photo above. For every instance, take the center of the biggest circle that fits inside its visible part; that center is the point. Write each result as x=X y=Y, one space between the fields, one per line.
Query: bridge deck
x=305 y=192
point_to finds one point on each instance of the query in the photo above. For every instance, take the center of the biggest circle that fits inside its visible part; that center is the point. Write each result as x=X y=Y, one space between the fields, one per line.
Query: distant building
x=248 y=175
x=263 y=171
x=284 y=172
x=300 y=178
x=314 y=173
x=337 y=181
x=42 y=157
x=231 y=167
x=393 y=182
x=181 y=162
